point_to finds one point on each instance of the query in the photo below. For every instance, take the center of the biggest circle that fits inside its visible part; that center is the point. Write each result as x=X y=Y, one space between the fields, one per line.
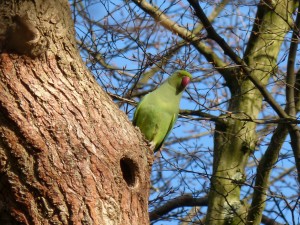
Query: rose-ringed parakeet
x=157 y=112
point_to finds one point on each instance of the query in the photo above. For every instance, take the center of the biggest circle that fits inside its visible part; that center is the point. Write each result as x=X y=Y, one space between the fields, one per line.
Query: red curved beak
x=185 y=81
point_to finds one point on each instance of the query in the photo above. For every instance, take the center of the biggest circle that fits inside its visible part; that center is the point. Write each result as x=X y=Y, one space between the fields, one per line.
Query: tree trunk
x=68 y=155
x=235 y=139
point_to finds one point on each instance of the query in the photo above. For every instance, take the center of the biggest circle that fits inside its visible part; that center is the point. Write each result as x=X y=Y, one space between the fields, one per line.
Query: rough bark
x=67 y=153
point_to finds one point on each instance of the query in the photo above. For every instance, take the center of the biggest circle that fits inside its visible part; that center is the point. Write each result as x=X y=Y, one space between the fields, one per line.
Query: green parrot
x=157 y=112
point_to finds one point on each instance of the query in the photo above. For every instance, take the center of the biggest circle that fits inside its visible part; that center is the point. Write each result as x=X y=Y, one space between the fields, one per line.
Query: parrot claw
x=152 y=145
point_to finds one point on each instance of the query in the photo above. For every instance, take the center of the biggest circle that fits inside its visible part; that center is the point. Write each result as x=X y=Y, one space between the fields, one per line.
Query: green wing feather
x=174 y=118
x=154 y=121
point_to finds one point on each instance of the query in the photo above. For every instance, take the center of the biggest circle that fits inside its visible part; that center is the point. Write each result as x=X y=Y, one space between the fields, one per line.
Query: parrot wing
x=174 y=118
x=154 y=122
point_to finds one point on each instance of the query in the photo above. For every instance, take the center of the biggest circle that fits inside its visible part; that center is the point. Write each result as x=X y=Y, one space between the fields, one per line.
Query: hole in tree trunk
x=129 y=171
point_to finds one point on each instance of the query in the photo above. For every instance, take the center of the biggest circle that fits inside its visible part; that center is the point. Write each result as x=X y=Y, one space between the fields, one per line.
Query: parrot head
x=179 y=80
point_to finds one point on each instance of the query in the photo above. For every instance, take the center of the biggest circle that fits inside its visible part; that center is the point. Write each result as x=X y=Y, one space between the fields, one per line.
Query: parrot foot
x=152 y=145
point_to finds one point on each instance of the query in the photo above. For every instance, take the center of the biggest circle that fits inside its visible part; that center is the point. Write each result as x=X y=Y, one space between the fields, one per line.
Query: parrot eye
x=185 y=81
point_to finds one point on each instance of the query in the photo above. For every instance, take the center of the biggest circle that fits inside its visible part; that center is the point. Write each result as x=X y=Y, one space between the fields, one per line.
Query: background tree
x=234 y=157
x=68 y=155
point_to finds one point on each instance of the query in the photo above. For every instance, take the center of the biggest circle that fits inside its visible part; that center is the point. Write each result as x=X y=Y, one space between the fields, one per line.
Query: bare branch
x=187 y=138
x=263 y=173
x=290 y=93
x=268 y=221
x=169 y=53
x=295 y=143
x=228 y=51
x=181 y=201
x=238 y=116
x=194 y=39
x=290 y=76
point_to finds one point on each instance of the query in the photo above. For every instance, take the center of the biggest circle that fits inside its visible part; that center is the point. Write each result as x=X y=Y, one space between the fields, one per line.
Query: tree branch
x=188 y=200
x=228 y=51
x=170 y=52
x=200 y=114
x=212 y=34
x=267 y=221
x=297 y=91
x=290 y=76
x=194 y=39
x=271 y=155
x=186 y=138
x=264 y=169
x=237 y=116
x=100 y=59
x=181 y=201
x=291 y=98
x=295 y=143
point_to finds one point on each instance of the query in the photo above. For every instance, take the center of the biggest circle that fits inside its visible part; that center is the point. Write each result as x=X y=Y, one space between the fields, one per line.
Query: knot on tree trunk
x=23 y=37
